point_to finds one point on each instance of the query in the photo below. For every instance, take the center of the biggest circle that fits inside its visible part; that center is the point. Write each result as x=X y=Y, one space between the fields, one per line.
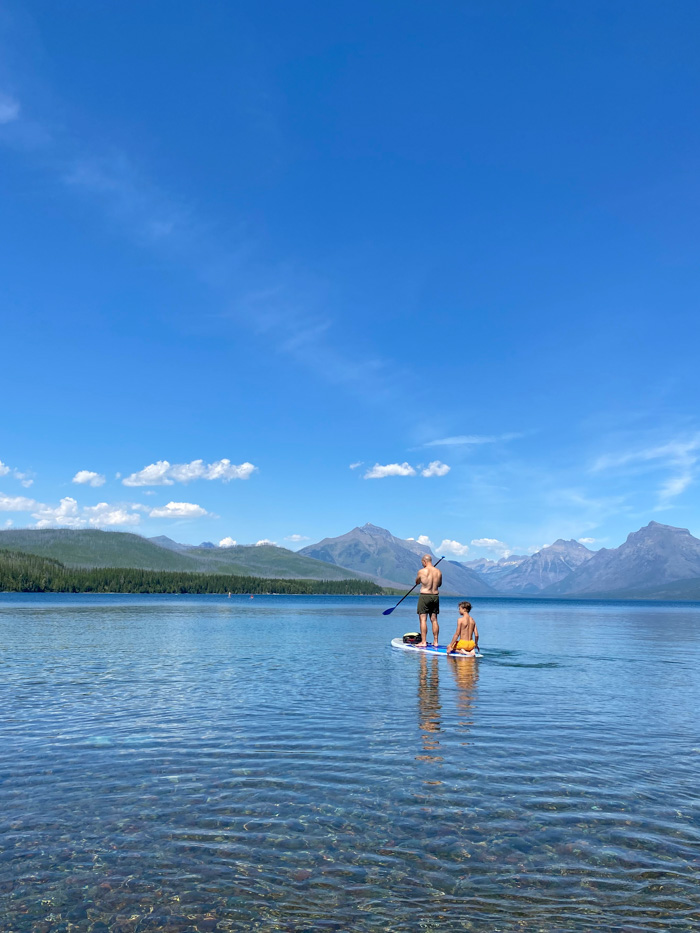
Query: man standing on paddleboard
x=430 y=579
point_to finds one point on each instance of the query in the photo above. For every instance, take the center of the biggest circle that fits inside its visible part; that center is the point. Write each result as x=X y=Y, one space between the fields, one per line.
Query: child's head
x=465 y=607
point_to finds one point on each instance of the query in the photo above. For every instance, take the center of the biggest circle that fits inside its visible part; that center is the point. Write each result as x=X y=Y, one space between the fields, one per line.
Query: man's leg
x=436 y=628
x=423 y=629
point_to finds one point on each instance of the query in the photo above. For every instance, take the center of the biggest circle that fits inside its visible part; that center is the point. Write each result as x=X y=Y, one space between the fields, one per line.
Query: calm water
x=201 y=763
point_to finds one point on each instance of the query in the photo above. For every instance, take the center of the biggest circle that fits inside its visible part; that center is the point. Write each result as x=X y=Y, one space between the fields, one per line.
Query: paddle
x=387 y=612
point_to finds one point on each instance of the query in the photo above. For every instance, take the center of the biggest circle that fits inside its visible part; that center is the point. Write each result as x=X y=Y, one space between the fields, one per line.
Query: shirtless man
x=430 y=579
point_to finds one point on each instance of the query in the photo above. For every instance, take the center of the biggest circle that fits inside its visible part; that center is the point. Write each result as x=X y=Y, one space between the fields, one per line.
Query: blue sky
x=246 y=246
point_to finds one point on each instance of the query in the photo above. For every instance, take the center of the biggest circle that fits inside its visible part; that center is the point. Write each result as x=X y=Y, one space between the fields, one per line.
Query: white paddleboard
x=429 y=649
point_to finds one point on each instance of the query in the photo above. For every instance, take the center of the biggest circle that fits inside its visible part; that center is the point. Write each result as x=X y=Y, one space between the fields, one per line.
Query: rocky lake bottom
x=188 y=764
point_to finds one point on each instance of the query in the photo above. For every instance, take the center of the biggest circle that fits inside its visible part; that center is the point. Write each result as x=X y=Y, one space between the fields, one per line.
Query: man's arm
x=419 y=577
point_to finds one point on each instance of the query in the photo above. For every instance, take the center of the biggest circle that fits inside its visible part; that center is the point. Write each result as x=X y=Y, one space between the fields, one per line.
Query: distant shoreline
x=532 y=598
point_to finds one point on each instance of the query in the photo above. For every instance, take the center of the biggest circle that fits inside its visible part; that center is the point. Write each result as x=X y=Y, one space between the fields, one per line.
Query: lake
x=204 y=763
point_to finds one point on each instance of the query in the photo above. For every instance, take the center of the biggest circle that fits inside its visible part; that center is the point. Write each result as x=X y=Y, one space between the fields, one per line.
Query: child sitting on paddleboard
x=466 y=639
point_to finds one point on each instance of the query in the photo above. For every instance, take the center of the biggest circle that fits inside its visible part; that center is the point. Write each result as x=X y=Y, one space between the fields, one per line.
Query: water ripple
x=164 y=769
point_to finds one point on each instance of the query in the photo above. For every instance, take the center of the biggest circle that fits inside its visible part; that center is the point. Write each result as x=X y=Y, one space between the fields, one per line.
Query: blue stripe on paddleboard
x=429 y=649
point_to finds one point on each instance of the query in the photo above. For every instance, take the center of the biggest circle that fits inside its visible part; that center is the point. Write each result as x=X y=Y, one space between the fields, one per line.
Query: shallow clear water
x=201 y=763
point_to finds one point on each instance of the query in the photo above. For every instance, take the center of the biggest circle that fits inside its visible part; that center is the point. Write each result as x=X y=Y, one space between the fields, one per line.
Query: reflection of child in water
x=466 y=638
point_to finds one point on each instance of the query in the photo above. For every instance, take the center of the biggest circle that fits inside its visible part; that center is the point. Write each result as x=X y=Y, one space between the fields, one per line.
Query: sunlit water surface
x=203 y=763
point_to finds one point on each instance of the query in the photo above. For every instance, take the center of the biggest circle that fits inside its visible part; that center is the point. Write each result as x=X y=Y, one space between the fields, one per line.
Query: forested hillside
x=27 y=573
x=90 y=547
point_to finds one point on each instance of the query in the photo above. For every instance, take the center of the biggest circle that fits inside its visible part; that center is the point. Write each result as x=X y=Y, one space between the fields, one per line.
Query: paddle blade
x=387 y=612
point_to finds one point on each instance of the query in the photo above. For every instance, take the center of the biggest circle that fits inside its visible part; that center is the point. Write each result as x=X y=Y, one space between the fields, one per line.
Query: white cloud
x=422 y=539
x=453 y=547
x=164 y=473
x=358 y=463
x=382 y=470
x=379 y=471
x=69 y=514
x=17 y=504
x=8 y=523
x=436 y=468
x=492 y=544
x=89 y=478
x=9 y=108
x=264 y=541
x=24 y=478
x=297 y=538
x=103 y=514
x=463 y=440
x=675 y=486
x=227 y=542
x=156 y=474
x=587 y=540
x=178 y=510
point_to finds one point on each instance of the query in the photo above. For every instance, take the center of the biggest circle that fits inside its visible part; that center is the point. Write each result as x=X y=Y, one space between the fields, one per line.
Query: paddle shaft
x=389 y=611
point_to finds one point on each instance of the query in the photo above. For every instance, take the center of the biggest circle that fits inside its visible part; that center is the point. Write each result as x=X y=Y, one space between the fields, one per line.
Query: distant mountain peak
x=657 y=527
x=375 y=530
x=374 y=551
x=571 y=545
x=168 y=543
x=654 y=555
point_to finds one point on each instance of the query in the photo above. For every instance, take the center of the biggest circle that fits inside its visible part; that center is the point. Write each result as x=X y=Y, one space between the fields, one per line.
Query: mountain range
x=656 y=562
x=541 y=570
x=653 y=557
x=375 y=553
x=92 y=548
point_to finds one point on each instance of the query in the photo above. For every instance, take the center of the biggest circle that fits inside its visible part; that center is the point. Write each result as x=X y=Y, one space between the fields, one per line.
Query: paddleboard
x=429 y=649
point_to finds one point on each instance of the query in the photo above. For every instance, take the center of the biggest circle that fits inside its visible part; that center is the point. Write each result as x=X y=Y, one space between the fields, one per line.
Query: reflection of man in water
x=429 y=707
x=430 y=579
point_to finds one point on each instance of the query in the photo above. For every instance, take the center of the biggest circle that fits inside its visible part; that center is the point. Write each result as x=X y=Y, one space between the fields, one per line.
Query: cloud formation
x=436 y=468
x=227 y=542
x=264 y=541
x=464 y=440
x=296 y=538
x=178 y=510
x=24 y=478
x=89 y=478
x=453 y=547
x=164 y=473
x=69 y=514
x=493 y=544
x=422 y=539
x=380 y=471
x=680 y=456
x=17 y=503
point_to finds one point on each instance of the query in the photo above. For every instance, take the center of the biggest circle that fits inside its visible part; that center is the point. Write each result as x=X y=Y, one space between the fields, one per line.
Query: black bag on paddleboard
x=411 y=638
